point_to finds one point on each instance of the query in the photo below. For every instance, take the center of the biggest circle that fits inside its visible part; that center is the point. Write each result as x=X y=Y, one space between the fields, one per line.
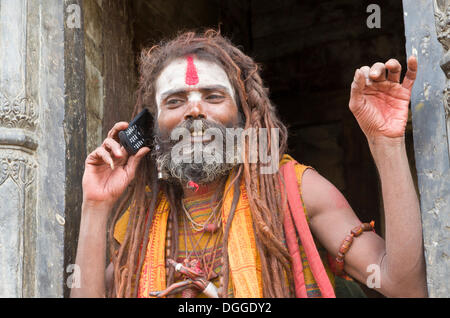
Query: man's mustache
x=191 y=125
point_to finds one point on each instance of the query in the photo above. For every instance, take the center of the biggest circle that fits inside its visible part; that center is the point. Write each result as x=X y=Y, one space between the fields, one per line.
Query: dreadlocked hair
x=266 y=197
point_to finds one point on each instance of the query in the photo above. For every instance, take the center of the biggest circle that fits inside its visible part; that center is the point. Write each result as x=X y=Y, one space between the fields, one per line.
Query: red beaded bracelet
x=355 y=232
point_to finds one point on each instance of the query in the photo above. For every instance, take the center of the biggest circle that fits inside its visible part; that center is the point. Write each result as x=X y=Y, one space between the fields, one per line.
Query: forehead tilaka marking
x=191 y=72
x=191 y=75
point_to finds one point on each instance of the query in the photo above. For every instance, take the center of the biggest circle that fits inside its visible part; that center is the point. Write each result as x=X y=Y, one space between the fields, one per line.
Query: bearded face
x=196 y=150
x=196 y=105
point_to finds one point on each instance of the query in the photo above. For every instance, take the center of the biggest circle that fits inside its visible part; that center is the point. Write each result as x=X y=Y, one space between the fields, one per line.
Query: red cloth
x=295 y=209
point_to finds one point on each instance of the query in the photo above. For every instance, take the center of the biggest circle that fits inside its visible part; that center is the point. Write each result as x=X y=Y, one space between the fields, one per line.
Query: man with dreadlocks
x=227 y=229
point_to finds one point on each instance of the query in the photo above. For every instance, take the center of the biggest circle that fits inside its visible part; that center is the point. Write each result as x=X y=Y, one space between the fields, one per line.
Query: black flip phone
x=138 y=134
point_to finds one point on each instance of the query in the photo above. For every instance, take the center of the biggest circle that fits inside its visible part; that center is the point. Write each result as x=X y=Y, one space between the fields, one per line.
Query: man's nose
x=195 y=109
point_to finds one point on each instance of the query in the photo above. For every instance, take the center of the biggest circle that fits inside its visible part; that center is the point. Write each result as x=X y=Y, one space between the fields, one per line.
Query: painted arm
x=379 y=102
x=108 y=171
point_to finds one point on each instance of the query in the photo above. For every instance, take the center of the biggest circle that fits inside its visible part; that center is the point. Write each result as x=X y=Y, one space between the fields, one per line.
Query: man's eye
x=174 y=101
x=214 y=97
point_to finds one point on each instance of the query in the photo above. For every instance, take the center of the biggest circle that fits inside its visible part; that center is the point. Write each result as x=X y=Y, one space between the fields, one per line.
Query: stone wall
x=110 y=67
x=94 y=60
x=427 y=28
x=42 y=144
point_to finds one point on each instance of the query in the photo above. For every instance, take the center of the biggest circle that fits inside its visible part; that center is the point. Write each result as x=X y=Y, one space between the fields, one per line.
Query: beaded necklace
x=203 y=264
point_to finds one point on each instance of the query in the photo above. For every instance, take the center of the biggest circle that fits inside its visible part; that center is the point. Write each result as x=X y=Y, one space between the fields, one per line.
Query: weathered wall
x=41 y=130
x=74 y=134
x=430 y=105
x=94 y=61
x=110 y=66
x=119 y=63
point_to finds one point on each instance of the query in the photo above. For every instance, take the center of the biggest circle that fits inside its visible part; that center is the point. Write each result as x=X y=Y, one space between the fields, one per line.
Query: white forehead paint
x=175 y=77
x=194 y=96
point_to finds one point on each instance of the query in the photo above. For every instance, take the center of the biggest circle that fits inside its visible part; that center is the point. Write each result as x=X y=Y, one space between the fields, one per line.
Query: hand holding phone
x=138 y=134
x=110 y=168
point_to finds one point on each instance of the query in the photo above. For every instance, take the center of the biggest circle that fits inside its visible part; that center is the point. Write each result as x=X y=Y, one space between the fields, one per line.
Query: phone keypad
x=135 y=136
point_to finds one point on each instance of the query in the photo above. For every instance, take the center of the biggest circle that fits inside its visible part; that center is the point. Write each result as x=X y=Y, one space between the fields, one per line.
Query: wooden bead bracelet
x=355 y=232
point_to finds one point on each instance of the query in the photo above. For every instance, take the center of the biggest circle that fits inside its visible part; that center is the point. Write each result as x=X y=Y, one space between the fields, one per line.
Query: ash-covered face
x=194 y=95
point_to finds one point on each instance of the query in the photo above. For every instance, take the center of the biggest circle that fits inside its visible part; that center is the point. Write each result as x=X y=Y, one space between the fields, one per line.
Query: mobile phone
x=138 y=134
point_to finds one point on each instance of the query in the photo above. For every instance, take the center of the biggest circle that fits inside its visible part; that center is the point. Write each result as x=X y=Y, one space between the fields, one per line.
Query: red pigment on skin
x=191 y=72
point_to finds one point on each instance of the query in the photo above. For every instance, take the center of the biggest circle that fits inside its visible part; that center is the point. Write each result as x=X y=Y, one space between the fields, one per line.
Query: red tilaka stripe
x=191 y=72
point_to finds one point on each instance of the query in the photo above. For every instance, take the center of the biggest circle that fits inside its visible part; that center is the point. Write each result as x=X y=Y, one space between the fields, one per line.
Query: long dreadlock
x=264 y=193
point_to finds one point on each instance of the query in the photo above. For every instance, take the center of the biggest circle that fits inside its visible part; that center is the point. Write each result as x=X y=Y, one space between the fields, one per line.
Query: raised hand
x=109 y=169
x=380 y=102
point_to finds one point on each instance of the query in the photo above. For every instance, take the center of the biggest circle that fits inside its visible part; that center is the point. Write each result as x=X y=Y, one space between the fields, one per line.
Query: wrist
x=102 y=208
x=388 y=153
x=382 y=145
x=386 y=142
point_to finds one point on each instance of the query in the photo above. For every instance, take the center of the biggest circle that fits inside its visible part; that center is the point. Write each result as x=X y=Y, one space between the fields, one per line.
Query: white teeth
x=197 y=134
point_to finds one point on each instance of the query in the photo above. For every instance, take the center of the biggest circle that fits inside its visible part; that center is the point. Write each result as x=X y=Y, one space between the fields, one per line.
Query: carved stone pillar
x=42 y=142
x=425 y=26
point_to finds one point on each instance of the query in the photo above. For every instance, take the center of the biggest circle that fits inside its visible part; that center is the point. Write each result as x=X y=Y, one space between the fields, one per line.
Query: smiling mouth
x=200 y=136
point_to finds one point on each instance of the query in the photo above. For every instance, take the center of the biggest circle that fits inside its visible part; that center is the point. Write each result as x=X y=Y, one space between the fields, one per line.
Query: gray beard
x=200 y=173
x=204 y=172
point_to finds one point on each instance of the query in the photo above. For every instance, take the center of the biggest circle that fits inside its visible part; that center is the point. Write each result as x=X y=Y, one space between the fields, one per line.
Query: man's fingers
x=133 y=161
x=114 y=132
x=411 y=73
x=358 y=84
x=360 y=78
x=102 y=154
x=115 y=147
x=394 y=70
x=377 y=72
x=365 y=72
